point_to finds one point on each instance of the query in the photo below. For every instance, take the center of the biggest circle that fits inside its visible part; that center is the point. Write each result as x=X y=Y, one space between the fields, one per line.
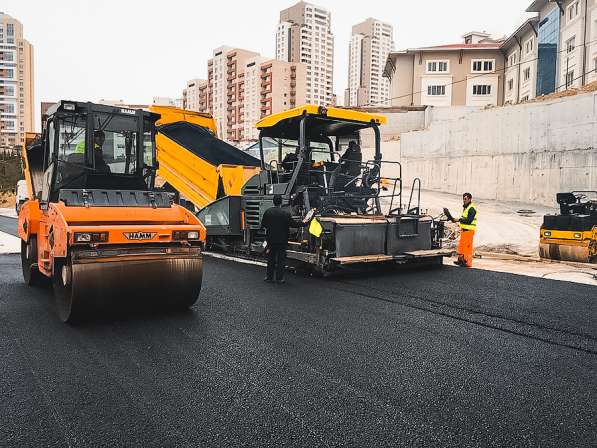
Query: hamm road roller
x=94 y=223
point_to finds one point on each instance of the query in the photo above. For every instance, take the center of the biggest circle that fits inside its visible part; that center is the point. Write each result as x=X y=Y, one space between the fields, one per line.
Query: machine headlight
x=69 y=106
x=83 y=237
x=578 y=235
x=91 y=237
x=546 y=233
x=185 y=235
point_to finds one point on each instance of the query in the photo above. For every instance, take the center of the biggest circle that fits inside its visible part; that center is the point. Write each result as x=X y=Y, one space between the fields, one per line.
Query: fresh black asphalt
x=8 y=225
x=443 y=357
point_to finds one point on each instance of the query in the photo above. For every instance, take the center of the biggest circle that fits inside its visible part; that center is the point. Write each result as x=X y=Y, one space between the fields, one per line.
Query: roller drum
x=166 y=281
x=564 y=252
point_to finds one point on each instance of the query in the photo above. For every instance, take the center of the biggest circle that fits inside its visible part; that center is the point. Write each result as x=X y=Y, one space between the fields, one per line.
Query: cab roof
x=322 y=122
x=81 y=106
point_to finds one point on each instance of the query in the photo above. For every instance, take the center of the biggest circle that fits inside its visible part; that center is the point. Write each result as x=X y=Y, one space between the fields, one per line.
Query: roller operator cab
x=315 y=158
x=94 y=223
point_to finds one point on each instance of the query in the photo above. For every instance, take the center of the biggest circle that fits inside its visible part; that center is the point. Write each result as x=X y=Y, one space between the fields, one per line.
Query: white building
x=521 y=53
x=578 y=52
x=370 y=44
x=304 y=35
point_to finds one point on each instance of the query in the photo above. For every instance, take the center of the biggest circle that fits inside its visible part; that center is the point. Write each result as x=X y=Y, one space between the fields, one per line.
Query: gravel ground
x=444 y=357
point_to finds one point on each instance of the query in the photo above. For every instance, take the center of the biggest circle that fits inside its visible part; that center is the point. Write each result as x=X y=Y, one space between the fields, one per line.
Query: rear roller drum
x=68 y=305
x=31 y=273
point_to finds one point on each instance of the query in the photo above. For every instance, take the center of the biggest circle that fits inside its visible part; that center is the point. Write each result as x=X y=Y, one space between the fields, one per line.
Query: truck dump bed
x=195 y=162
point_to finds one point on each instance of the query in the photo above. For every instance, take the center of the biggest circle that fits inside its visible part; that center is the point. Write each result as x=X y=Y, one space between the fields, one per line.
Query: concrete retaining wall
x=524 y=153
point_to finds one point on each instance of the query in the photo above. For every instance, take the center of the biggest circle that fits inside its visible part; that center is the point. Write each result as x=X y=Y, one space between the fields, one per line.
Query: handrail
x=416 y=181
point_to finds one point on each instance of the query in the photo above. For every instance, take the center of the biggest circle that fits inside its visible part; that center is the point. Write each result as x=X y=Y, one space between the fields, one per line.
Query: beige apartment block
x=16 y=83
x=191 y=95
x=242 y=87
x=225 y=79
x=304 y=35
x=470 y=73
x=521 y=53
x=271 y=86
x=370 y=44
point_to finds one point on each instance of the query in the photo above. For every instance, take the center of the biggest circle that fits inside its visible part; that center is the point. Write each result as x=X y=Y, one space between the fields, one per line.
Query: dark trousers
x=276 y=261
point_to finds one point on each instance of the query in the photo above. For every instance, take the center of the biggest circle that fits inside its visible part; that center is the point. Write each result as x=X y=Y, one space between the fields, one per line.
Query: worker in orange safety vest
x=468 y=225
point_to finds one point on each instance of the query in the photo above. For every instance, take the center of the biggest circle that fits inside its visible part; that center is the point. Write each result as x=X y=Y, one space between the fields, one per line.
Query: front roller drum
x=565 y=252
x=82 y=288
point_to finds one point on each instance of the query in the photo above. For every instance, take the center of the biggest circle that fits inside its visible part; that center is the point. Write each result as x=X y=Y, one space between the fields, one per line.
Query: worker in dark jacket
x=350 y=162
x=277 y=222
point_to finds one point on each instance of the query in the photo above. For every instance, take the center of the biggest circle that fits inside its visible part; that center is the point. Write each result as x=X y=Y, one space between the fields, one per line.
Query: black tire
x=68 y=307
x=31 y=274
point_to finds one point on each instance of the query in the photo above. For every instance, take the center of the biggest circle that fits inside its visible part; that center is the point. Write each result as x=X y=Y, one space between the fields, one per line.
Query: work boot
x=268 y=280
x=459 y=263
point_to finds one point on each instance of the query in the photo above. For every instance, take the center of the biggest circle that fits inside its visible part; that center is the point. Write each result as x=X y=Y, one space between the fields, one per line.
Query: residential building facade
x=567 y=44
x=521 y=53
x=16 y=83
x=578 y=52
x=465 y=74
x=243 y=87
x=304 y=35
x=370 y=43
x=191 y=95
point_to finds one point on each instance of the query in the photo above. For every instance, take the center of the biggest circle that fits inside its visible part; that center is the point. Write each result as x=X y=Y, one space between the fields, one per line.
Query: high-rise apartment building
x=370 y=44
x=270 y=86
x=191 y=95
x=16 y=82
x=304 y=35
x=225 y=73
x=242 y=87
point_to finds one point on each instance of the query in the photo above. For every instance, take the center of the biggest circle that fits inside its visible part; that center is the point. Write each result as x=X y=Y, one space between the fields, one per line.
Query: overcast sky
x=137 y=49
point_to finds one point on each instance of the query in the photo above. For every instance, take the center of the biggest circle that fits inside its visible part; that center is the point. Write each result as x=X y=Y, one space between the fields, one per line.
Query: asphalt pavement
x=8 y=225
x=442 y=357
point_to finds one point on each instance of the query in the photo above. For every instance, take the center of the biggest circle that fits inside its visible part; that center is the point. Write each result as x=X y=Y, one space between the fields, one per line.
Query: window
x=569 y=78
x=510 y=84
x=436 y=90
x=573 y=11
x=529 y=46
x=481 y=89
x=527 y=74
x=482 y=65
x=571 y=44
x=437 y=66
x=513 y=60
x=525 y=98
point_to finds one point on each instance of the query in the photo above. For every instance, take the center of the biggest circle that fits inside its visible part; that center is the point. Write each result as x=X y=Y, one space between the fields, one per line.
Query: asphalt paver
x=436 y=357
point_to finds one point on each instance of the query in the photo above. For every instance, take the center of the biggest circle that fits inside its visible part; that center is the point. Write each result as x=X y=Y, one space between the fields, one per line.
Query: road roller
x=95 y=226
x=571 y=235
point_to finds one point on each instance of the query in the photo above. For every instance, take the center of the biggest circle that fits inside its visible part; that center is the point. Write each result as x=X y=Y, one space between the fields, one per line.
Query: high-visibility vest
x=472 y=225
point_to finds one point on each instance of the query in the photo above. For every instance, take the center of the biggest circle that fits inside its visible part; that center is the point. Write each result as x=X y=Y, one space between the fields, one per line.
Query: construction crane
x=571 y=235
x=361 y=210
x=94 y=223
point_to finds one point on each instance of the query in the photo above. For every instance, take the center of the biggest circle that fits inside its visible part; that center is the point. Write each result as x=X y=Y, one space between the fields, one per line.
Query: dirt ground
x=7 y=199
x=504 y=227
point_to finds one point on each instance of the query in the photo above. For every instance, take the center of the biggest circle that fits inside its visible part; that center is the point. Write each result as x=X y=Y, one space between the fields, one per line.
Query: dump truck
x=94 y=224
x=358 y=203
x=571 y=235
